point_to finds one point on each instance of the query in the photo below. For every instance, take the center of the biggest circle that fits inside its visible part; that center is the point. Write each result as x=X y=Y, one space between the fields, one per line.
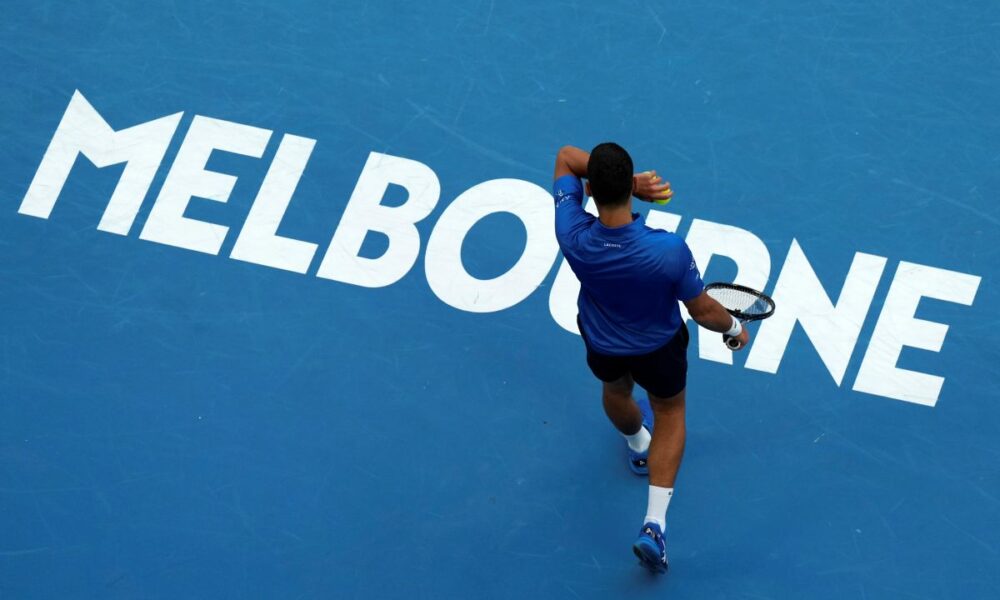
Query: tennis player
x=631 y=278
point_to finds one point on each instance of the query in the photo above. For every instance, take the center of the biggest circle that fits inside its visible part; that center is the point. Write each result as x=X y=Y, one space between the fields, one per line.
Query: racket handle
x=731 y=342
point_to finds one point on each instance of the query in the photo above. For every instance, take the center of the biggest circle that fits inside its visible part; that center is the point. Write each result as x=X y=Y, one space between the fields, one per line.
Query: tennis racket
x=746 y=304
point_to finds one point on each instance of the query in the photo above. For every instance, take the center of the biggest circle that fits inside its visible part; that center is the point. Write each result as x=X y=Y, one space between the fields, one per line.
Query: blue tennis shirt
x=631 y=277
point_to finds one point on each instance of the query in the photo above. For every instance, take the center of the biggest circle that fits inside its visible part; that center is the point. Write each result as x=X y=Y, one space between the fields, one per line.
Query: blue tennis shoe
x=651 y=549
x=637 y=460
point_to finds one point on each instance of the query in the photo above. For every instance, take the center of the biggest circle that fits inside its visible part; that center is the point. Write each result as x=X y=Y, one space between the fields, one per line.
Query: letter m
x=83 y=131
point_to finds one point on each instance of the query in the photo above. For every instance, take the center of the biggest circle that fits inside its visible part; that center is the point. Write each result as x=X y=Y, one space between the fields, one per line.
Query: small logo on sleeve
x=561 y=197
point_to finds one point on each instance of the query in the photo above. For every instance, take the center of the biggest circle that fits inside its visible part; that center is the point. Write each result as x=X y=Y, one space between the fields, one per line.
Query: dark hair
x=609 y=171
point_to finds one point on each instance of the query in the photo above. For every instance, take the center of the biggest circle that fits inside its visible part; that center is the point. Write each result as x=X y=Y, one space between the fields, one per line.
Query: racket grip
x=731 y=342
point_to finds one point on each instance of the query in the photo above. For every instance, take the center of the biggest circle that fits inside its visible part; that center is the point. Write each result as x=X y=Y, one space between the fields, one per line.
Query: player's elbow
x=699 y=307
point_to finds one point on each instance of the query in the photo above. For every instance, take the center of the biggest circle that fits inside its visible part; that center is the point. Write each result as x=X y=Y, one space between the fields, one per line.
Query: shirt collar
x=622 y=231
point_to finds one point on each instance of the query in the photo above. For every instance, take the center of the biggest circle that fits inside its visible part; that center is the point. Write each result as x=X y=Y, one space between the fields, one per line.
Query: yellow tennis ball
x=662 y=202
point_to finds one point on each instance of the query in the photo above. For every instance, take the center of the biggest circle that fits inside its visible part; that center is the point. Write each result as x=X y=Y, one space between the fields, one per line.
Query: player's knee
x=620 y=389
x=667 y=403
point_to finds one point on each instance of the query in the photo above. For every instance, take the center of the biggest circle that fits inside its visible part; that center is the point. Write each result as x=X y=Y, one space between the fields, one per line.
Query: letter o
x=447 y=276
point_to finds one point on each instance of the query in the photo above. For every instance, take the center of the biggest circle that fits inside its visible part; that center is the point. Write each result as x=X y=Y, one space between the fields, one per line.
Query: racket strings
x=744 y=302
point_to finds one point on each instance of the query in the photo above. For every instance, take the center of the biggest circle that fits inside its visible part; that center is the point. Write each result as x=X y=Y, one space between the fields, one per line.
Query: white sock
x=659 y=501
x=639 y=441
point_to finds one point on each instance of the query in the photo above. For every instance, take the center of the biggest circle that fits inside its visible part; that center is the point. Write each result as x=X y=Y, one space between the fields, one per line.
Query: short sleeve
x=567 y=191
x=689 y=284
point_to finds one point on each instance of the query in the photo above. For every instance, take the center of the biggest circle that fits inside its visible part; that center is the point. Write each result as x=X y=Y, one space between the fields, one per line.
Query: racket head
x=744 y=303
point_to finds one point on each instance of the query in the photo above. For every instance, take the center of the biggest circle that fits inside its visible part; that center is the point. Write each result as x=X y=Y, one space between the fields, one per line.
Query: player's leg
x=664 y=375
x=664 y=460
x=623 y=411
x=620 y=405
x=667 y=448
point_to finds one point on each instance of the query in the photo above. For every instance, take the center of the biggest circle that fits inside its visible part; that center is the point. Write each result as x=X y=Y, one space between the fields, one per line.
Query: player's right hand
x=650 y=187
x=743 y=338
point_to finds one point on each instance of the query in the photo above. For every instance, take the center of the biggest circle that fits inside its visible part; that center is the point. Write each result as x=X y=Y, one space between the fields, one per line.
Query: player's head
x=609 y=173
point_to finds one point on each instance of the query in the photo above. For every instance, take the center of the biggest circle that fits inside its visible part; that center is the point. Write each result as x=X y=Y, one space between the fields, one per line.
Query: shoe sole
x=648 y=561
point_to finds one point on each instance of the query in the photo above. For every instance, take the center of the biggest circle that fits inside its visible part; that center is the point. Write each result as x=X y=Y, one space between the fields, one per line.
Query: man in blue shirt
x=631 y=279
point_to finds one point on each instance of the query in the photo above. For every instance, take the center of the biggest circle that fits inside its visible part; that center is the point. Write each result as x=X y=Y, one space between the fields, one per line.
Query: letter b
x=365 y=212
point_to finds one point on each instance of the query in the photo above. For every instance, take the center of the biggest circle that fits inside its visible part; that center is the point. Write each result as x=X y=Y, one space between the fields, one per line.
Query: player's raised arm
x=571 y=161
x=647 y=186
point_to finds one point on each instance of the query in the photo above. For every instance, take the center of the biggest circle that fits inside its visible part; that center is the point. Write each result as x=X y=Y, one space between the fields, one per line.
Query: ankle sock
x=656 y=508
x=639 y=441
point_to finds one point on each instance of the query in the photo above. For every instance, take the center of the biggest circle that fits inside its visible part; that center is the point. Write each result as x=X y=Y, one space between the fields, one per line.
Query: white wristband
x=736 y=329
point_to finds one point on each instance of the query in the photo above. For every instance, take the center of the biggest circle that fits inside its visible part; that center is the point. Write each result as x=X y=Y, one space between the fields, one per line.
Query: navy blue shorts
x=662 y=372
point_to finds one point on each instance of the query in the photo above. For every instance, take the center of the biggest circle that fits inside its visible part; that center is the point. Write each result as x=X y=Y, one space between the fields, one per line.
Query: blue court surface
x=282 y=313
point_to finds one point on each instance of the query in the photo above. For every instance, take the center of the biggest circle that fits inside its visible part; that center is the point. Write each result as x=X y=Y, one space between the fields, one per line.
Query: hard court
x=333 y=361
